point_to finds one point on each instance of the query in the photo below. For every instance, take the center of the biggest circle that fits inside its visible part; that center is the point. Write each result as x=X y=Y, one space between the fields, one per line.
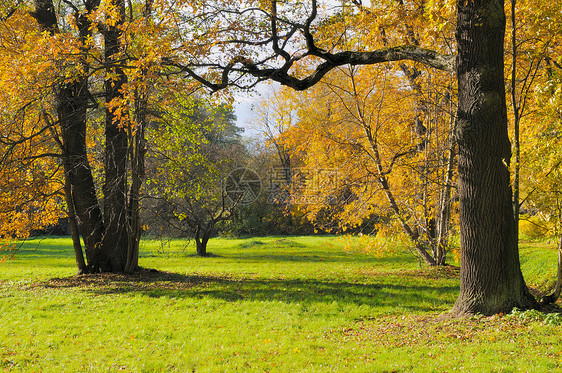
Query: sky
x=244 y=107
x=245 y=115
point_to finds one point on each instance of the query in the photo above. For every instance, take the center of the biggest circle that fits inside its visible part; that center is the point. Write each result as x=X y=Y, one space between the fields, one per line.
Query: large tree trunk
x=71 y=106
x=115 y=187
x=491 y=279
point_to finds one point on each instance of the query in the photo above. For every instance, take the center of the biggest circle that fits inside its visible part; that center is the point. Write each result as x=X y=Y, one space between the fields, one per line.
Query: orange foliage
x=29 y=169
x=356 y=117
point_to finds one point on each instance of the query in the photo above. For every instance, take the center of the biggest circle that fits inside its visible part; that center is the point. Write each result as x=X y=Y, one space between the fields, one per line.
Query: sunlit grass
x=275 y=304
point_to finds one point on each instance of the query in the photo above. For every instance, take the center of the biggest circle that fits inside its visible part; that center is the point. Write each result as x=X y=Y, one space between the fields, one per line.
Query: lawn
x=268 y=304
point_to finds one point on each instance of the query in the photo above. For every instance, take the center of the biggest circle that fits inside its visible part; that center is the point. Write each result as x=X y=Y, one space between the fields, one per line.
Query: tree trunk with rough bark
x=115 y=187
x=491 y=279
x=71 y=107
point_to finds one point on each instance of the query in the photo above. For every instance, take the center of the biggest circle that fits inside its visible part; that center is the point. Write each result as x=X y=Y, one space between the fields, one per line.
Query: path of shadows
x=230 y=289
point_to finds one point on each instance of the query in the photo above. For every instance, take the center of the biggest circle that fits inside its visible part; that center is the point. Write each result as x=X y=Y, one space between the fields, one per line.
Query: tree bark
x=491 y=278
x=71 y=108
x=115 y=187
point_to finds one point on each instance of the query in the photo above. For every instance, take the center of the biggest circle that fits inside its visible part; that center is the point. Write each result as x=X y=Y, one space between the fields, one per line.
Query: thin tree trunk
x=137 y=152
x=444 y=215
x=552 y=298
x=491 y=278
x=74 y=231
x=516 y=121
x=134 y=208
x=383 y=181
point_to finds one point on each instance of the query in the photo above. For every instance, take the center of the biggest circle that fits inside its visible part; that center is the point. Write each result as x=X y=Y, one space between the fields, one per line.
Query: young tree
x=191 y=154
x=536 y=37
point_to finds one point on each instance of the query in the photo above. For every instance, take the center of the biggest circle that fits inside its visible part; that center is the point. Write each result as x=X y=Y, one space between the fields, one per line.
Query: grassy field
x=273 y=304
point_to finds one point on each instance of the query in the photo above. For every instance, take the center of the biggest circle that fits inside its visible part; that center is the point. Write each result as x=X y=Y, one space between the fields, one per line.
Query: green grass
x=276 y=304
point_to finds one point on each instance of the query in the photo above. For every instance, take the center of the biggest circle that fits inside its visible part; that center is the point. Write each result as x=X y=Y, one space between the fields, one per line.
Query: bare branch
x=331 y=61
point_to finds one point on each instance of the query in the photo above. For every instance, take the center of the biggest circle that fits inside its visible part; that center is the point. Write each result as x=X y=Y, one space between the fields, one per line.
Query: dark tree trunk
x=137 y=150
x=71 y=105
x=491 y=279
x=115 y=187
x=444 y=213
x=202 y=236
x=74 y=230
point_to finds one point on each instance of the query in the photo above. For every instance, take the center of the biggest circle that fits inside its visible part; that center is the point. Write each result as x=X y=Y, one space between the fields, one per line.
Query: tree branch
x=331 y=61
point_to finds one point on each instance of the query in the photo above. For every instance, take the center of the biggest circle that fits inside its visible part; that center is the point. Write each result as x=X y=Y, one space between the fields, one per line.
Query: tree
x=535 y=107
x=96 y=60
x=72 y=99
x=491 y=278
x=364 y=127
x=191 y=153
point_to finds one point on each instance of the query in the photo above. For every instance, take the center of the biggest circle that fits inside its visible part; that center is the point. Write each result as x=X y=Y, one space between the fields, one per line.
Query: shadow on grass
x=283 y=250
x=230 y=289
x=43 y=247
x=311 y=256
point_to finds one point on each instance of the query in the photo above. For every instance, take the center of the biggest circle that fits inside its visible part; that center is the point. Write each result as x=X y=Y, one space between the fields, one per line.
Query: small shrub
x=537 y=316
